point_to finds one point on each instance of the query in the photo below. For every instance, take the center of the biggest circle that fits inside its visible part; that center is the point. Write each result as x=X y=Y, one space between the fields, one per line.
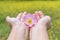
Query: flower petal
x=31 y=18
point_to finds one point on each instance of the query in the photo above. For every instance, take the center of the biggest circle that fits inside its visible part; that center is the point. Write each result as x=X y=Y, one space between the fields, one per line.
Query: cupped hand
x=39 y=31
x=42 y=20
x=16 y=23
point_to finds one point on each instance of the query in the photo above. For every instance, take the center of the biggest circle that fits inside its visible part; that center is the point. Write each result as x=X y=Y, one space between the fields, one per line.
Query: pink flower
x=30 y=20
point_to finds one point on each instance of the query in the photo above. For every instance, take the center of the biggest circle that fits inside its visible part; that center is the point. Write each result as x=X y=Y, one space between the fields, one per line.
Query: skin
x=39 y=31
x=20 y=32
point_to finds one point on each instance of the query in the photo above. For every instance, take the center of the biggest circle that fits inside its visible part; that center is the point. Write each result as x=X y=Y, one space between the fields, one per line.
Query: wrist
x=17 y=33
x=42 y=27
x=18 y=28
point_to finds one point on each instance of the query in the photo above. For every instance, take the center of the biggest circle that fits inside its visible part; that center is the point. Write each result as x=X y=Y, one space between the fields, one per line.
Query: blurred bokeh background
x=14 y=7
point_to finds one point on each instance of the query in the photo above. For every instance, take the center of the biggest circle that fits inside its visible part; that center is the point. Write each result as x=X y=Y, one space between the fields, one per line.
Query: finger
x=8 y=19
x=19 y=16
x=37 y=15
x=24 y=13
x=40 y=13
x=45 y=20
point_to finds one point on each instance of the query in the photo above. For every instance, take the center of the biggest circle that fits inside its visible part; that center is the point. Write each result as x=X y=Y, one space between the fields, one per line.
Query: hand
x=43 y=20
x=18 y=26
x=39 y=31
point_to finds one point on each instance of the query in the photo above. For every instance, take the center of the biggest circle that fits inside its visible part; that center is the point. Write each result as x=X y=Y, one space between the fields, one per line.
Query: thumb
x=45 y=20
x=8 y=19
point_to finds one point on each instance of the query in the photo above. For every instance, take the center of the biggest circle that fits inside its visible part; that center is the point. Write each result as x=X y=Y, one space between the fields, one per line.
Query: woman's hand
x=39 y=31
x=18 y=27
x=43 y=20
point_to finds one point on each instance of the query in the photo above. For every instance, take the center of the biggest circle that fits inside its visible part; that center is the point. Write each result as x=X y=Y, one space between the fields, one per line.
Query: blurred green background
x=12 y=8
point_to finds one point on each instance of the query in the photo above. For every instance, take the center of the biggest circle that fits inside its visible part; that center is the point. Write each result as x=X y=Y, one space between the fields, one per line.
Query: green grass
x=51 y=8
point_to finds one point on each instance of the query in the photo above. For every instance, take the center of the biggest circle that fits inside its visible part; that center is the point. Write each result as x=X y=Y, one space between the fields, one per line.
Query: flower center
x=29 y=21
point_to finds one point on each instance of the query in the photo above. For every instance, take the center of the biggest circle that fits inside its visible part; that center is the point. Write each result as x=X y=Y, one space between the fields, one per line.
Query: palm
x=15 y=21
x=42 y=20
